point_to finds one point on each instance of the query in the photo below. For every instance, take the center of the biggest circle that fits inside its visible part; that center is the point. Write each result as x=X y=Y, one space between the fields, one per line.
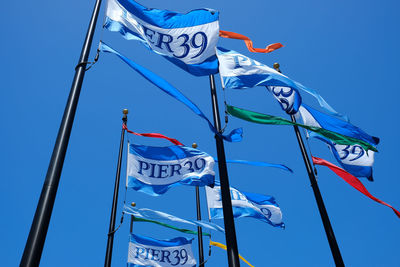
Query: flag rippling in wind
x=314 y=118
x=244 y=204
x=150 y=214
x=353 y=158
x=153 y=170
x=188 y=40
x=147 y=251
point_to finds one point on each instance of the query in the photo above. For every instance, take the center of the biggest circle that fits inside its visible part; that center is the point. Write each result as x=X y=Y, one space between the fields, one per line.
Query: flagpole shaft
x=37 y=235
x=320 y=202
x=199 y=229
x=230 y=232
x=110 y=239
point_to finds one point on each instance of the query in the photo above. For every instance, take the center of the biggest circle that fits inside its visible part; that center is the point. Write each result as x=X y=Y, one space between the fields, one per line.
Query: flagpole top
x=133 y=204
x=194 y=145
x=125 y=111
x=276 y=67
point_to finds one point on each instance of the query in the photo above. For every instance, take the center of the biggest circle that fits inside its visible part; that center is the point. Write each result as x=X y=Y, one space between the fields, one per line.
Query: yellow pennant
x=216 y=244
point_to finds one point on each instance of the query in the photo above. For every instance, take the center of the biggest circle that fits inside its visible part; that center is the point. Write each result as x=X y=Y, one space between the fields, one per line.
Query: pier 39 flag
x=353 y=158
x=238 y=72
x=245 y=204
x=187 y=40
x=147 y=251
x=153 y=170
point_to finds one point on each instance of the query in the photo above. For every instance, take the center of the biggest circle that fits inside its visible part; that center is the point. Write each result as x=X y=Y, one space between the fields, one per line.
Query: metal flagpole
x=199 y=230
x=230 y=232
x=317 y=194
x=37 y=235
x=111 y=231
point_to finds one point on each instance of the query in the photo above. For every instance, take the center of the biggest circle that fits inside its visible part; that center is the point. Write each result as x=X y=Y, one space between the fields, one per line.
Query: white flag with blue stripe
x=188 y=40
x=245 y=204
x=147 y=251
x=153 y=170
x=354 y=159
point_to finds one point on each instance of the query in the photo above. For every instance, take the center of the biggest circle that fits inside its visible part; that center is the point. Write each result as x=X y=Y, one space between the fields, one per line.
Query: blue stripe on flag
x=156 y=190
x=164 y=153
x=234 y=136
x=177 y=241
x=168 y=19
x=336 y=125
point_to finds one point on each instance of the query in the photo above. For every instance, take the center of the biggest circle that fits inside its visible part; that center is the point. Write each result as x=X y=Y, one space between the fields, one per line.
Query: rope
x=219 y=245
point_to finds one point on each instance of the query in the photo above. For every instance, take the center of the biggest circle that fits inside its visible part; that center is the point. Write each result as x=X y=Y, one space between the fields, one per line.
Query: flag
x=150 y=214
x=249 y=43
x=234 y=136
x=147 y=251
x=312 y=117
x=353 y=158
x=153 y=170
x=258 y=163
x=273 y=120
x=245 y=204
x=351 y=180
x=187 y=40
x=238 y=71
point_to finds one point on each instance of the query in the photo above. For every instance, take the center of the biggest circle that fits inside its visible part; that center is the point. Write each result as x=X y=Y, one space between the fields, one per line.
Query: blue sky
x=347 y=50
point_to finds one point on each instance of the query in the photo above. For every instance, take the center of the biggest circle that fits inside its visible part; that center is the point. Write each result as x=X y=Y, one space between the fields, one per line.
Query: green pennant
x=186 y=231
x=269 y=119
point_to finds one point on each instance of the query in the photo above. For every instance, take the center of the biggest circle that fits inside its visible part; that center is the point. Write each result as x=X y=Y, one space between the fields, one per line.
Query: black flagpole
x=199 y=230
x=230 y=232
x=111 y=231
x=37 y=235
x=317 y=194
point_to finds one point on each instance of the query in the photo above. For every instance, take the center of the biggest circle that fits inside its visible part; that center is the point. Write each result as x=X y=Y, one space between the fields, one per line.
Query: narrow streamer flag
x=186 y=231
x=258 y=163
x=158 y=215
x=245 y=204
x=238 y=71
x=351 y=180
x=153 y=135
x=234 y=136
x=249 y=43
x=187 y=40
x=268 y=119
x=312 y=117
x=219 y=245
x=147 y=251
x=353 y=158
x=153 y=170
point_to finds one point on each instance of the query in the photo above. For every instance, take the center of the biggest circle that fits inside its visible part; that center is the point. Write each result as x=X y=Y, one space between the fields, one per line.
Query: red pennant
x=351 y=180
x=249 y=43
x=154 y=135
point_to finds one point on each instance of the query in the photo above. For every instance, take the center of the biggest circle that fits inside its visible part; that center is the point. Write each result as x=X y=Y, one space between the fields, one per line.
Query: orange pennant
x=249 y=43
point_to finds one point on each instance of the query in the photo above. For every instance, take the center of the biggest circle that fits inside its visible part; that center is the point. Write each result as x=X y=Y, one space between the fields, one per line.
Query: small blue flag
x=244 y=204
x=147 y=251
x=187 y=40
x=234 y=136
x=312 y=117
x=153 y=170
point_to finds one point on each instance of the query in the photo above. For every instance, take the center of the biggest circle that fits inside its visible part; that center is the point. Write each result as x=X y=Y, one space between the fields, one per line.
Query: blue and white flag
x=153 y=170
x=354 y=159
x=187 y=40
x=156 y=215
x=245 y=205
x=312 y=117
x=238 y=71
x=147 y=251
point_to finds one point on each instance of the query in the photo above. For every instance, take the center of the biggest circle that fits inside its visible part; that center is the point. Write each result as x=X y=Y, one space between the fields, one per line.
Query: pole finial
x=276 y=67
x=194 y=145
x=133 y=204
x=125 y=111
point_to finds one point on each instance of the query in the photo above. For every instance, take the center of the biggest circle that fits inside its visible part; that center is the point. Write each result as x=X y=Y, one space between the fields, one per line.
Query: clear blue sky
x=347 y=50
